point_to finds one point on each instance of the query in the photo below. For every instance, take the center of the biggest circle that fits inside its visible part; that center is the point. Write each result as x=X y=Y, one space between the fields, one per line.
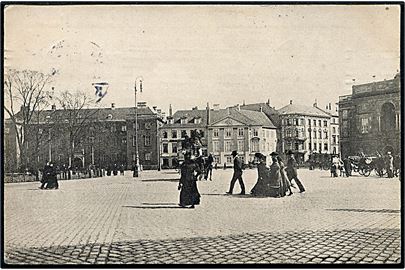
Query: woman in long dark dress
x=189 y=194
x=261 y=188
x=285 y=183
x=275 y=177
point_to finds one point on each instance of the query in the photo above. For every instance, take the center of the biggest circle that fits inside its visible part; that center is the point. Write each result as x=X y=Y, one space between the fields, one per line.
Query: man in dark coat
x=348 y=166
x=292 y=171
x=208 y=167
x=45 y=175
x=237 y=174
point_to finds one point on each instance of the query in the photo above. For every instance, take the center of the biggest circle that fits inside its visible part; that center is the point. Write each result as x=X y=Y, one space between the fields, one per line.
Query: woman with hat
x=189 y=194
x=275 y=177
x=262 y=186
x=285 y=183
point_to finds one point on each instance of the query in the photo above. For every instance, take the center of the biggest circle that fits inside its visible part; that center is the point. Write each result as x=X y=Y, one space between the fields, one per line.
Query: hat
x=290 y=152
x=234 y=153
x=388 y=153
x=274 y=154
x=260 y=155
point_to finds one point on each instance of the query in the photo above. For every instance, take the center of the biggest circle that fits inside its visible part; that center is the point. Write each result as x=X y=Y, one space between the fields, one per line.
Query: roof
x=189 y=115
x=246 y=117
x=95 y=113
x=303 y=110
x=271 y=112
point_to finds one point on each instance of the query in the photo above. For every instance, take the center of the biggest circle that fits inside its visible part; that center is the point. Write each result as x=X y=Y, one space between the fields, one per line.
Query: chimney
x=154 y=108
x=244 y=103
x=261 y=109
x=53 y=107
x=290 y=101
x=330 y=106
x=194 y=108
x=228 y=111
x=216 y=107
x=268 y=102
x=170 y=110
x=238 y=107
x=142 y=104
x=316 y=103
x=112 y=106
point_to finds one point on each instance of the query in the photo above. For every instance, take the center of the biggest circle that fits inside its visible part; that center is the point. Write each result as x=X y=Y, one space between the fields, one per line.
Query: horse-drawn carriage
x=320 y=160
x=365 y=165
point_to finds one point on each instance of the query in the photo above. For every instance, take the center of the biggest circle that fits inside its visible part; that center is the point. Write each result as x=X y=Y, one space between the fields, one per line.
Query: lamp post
x=136 y=167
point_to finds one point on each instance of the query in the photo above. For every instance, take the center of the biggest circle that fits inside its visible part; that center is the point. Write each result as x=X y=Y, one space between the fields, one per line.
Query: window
x=39 y=130
x=314 y=134
x=288 y=122
x=297 y=133
x=215 y=133
x=165 y=134
x=325 y=147
x=228 y=132
x=123 y=141
x=217 y=159
x=197 y=120
x=320 y=134
x=325 y=123
x=320 y=147
x=228 y=146
x=334 y=150
x=183 y=121
x=174 y=134
x=147 y=156
x=302 y=122
x=241 y=146
x=309 y=122
x=133 y=140
x=334 y=130
x=165 y=148
x=314 y=146
x=255 y=132
x=123 y=128
x=183 y=133
x=309 y=146
x=320 y=123
x=215 y=146
x=147 y=140
x=229 y=159
x=255 y=146
x=325 y=134
x=314 y=123
x=297 y=146
x=240 y=132
x=334 y=139
x=364 y=125
x=345 y=114
x=296 y=121
x=174 y=147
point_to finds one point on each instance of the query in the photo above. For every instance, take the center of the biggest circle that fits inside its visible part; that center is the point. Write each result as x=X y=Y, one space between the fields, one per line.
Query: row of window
x=146 y=140
x=174 y=134
x=165 y=147
x=147 y=156
x=301 y=122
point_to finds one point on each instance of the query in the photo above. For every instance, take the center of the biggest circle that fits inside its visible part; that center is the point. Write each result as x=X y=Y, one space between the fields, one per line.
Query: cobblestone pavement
x=125 y=220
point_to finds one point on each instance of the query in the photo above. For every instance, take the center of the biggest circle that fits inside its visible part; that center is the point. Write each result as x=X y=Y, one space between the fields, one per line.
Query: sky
x=220 y=54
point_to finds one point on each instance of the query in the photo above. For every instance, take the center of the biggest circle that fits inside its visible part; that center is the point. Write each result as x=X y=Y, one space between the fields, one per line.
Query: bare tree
x=76 y=117
x=26 y=91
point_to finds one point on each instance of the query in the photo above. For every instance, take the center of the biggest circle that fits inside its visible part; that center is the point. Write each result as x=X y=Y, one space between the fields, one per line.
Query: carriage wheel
x=381 y=172
x=366 y=172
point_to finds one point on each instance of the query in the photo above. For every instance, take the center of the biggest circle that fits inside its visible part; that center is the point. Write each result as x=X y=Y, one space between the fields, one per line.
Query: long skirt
x=189 y=195
x=261 y=188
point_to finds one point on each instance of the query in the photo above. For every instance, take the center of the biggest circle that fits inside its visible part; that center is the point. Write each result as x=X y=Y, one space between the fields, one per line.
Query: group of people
x=273 y=181
x=49 y=177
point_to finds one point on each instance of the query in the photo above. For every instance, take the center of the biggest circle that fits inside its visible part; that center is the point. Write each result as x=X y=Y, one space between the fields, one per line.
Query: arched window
x=387 y=119
x=164 y=134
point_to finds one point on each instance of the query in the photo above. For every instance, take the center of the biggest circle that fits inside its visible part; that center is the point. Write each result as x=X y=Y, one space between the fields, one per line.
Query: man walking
x=390 y=165
x=237 y=174
x=208 y=167
x=292 y=171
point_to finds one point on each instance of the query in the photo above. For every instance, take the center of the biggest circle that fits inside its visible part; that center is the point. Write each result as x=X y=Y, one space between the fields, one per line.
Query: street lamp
x=136 y=167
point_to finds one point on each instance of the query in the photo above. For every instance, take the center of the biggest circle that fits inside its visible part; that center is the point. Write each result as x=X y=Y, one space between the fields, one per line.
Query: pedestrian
x=237 y=174
x=52 y=180
x=122 y=169
x=115 y=169
x=334 y=166
x=275 y=177
x=348 y=166
x=285 y=183
x=208 y=167
x=45 y=175
x=292 y=173
x=262 y=186
x=390 y=165
x=189 y=194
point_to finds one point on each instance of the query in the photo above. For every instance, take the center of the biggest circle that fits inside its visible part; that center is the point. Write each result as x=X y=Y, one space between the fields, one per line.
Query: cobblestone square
x=125 y=220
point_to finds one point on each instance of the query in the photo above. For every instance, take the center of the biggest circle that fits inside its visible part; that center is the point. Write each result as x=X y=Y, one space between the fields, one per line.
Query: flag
x=101 y=90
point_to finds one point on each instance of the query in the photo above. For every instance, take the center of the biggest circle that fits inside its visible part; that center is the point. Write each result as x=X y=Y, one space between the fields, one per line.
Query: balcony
x=345 y=98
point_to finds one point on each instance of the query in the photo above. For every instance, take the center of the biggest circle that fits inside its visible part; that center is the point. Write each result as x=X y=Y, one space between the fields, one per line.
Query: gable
x=228 y=121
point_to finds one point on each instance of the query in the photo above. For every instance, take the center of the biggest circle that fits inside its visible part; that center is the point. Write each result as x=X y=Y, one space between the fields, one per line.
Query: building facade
x=245 y=131
x=106 y=137
x=370 y=118
x=306 y=130
x=179 y=125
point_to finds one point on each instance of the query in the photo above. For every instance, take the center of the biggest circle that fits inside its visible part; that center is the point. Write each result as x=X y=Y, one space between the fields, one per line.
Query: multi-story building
x=106 y=137
x=271 y=113
x=246 y=131
x=305 y=130
x=173 y=132
x=370 y=118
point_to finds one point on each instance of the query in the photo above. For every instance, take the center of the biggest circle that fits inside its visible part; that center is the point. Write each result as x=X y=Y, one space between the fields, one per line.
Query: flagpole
x=136 y=169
